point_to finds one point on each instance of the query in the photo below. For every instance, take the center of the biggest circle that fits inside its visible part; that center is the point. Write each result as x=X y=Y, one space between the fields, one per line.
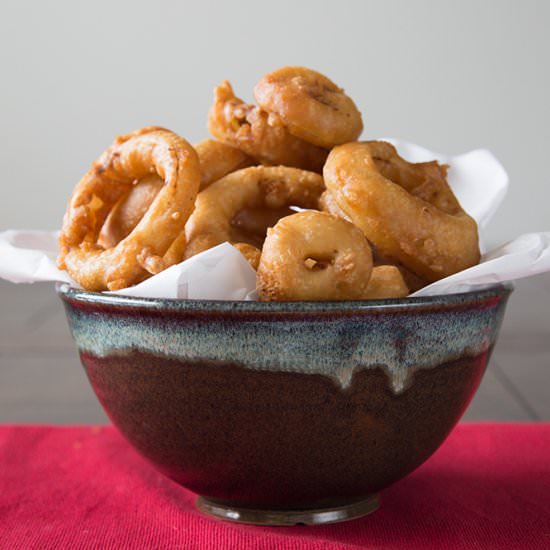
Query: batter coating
x=310 y=105
x=259 y=134
x=128 y=160
x=314 y=256
x=218 y=159
x=218 y=214
x=406 y=210
x=386 y=281
x=127 y=212
x=327 y=203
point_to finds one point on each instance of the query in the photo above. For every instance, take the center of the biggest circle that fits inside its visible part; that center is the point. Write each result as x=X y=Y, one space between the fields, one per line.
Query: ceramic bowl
x=283 y=413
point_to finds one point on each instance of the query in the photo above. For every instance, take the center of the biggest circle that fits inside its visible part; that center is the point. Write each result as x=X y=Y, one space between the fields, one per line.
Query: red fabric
x=84 y=487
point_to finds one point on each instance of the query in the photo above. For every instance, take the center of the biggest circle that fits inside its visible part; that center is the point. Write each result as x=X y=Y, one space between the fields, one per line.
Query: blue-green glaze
x=334 y=339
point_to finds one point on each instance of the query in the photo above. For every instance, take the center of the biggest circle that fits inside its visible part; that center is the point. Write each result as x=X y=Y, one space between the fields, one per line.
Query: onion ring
x=176 y=251
x=218 y=159
x=310 y=105
x=127 y=212
x=406 y=210
x=314 y=256
x=386 y=281
x=129 y=159
x=260 y=135
x=327 y=203
x=250 y=224
x=266 y=187
x=413 y=281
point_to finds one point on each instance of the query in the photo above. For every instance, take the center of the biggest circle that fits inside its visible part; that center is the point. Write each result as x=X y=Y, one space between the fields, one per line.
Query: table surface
x=487 y=487
x=41 y=379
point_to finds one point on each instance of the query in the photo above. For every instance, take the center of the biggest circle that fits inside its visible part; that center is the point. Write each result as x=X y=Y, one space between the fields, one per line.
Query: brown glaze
x=279 y=439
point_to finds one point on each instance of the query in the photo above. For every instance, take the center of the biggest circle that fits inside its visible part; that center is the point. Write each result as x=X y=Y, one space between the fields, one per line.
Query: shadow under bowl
x=288 y=412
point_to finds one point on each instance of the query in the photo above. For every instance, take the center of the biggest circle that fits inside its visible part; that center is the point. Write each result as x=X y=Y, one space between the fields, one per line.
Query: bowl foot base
x=316 y=516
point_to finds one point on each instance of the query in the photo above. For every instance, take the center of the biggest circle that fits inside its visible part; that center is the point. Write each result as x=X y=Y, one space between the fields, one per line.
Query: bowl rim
x=489 y=292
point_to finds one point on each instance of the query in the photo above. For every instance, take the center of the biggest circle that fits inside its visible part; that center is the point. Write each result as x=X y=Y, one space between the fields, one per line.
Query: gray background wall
x=448 y=75
x=451 y=76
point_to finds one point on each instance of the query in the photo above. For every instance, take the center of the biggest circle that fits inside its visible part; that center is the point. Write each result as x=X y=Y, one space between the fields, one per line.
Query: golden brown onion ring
x=310 y=105
x=314 y=256
x=217 y=216
x=386 y=281
x=406 y=210
x=327 y=203
x=127 y=212
x=413 y=281
x=176 y=252
x=218 y=159
x=250 y=225
x=262 y=136
x=150 y=150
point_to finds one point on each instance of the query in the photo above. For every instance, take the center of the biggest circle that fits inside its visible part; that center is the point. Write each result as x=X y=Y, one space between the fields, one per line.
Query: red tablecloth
x=84 y=487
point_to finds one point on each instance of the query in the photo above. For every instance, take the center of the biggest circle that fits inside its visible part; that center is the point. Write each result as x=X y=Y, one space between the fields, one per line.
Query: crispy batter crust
x=271 y=188
x=128 y=160
x=259 y=134
x=310 y=105
x=386 y=281
x=314 y=256
x=407 y=211
x=218 y=159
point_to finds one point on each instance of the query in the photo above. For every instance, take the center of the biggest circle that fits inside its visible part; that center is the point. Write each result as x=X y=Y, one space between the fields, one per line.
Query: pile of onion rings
x=373 y=225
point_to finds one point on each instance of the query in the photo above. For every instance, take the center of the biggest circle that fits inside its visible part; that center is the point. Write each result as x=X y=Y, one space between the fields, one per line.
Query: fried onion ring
x=327 y=203
x=217 y=217
x=386 y=281
x=310 y=105
x=129 y=159
x=406 y=210
x=127 y=212
x=250 y=224
x=413 y=281
x=314 y=256
x=258 y=134
x=176 y=251
x=218 y=159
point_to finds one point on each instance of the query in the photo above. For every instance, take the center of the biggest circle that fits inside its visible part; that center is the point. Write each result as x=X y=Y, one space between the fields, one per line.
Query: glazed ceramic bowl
x=285 y=413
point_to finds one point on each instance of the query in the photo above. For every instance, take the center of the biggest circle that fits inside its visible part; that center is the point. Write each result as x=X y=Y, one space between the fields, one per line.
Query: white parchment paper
x=221 y=273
